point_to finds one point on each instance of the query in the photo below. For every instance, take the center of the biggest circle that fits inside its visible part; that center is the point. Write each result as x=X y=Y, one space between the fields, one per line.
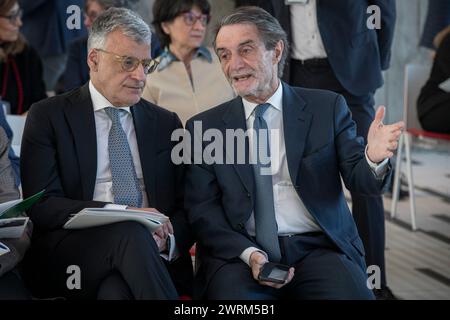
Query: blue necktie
x=125 y=184
x=265 y=223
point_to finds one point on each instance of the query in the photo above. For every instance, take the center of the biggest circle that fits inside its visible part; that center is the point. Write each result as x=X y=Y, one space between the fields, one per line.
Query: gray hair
x=129 y=22
x=269 y=29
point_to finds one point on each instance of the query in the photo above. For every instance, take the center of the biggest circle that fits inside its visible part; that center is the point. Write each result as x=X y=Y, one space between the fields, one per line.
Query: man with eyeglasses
x=103 y=146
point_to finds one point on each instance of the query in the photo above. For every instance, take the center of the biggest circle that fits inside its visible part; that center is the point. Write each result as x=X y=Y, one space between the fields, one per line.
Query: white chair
x=415 y=77
x=17 y=124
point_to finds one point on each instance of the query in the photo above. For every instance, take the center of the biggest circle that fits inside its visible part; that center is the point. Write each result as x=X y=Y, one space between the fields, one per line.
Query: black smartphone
x=274 y=272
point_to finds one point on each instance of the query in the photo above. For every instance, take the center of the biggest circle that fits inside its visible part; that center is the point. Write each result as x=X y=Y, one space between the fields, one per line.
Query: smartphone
x=274 y=272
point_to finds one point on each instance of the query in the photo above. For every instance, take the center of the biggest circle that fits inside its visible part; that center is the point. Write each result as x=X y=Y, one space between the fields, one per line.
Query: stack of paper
x=93 y=217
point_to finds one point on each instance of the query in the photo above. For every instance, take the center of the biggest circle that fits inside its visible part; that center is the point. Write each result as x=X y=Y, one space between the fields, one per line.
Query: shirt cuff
x=245 y=255
x=378 y=169
x=115 y=206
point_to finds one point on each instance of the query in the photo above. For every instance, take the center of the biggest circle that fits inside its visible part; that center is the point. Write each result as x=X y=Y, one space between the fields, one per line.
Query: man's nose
x=139 y=73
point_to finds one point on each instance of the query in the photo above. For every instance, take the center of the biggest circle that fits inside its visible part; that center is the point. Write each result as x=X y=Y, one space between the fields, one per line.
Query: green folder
x=18 y=209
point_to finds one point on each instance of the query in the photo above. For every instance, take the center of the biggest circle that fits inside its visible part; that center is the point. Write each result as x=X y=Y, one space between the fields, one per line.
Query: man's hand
x=382 y=140
x=160 y=242
x=257 y=260
x=160 y=235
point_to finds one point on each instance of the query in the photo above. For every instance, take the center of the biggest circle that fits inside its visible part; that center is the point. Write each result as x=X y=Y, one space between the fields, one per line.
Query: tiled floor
x=418 y=263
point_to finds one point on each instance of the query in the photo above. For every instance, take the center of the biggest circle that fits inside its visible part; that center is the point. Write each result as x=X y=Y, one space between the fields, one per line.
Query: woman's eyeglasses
x=129 y=64
x=14 y=16
x=191 y=18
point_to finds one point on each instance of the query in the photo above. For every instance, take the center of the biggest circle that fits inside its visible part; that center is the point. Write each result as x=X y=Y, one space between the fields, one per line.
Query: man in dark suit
x=338 y=46
x=298 y=215
x=103 y=146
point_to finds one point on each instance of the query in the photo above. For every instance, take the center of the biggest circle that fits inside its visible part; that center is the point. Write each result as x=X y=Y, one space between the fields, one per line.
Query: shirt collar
x=99 y=101
x=167 y=57
x=276 y=100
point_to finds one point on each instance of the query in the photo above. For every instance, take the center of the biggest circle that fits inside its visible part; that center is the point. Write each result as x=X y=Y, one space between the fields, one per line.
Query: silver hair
x=129 y=22
x=270 y=30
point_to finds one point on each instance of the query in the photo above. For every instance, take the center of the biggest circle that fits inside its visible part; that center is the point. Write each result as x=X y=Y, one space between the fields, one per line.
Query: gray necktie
x=265 y=223
x=125 y=184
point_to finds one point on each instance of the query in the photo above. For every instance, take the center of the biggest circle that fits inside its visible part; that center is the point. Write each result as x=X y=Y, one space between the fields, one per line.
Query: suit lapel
x=80 y=117
x=145 y=125
x=234 y=118
x=297 y=122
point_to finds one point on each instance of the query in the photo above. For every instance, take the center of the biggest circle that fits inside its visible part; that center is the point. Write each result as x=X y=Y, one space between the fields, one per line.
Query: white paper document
x=93 y=217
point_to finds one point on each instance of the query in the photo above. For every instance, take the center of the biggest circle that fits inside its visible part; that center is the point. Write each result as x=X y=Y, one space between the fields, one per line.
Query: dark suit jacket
x=77 y=70
x=356 y=54
x=321 y=145
x=45 y=25
x=59 y=154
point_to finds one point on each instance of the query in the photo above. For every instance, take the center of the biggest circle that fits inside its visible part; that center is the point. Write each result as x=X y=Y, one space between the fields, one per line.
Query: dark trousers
x=12 y=287
x=368 y=212
x=438 y=118
x=321 y=272
x=117 y=261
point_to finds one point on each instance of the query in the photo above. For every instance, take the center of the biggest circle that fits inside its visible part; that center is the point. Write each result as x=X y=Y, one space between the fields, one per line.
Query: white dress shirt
x=103 y=181
x=290 y=213
x=306 y=39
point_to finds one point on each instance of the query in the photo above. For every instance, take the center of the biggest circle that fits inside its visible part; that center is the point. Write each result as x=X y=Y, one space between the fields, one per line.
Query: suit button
x=240 y=226
x=249 y=195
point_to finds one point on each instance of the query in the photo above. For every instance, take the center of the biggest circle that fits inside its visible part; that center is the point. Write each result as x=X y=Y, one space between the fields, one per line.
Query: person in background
x=77 y=71
x=49 y=26
x=11 y=284
x=188 y=79
x=21 y=81
x=438 y=17
x=433 y=104
x=13 y=158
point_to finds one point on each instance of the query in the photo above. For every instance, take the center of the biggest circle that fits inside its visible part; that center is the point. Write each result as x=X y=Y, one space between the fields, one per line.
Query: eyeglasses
x=191 y=18
x=129 y=64
x=13 y=17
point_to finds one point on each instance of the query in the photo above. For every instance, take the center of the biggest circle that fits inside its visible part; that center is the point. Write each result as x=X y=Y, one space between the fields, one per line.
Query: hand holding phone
x=274 y=272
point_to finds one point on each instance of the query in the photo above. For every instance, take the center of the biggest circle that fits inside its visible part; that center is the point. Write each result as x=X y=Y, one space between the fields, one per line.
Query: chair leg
x=396 y=187
x=412 y=203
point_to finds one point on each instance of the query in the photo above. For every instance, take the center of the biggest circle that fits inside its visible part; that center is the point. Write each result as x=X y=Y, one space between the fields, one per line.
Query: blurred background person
x=49 y=27
x=21 y=81
x=188 y=79
x=77 y=71
x=11 y=284
x=433 y=105
x=437 y=18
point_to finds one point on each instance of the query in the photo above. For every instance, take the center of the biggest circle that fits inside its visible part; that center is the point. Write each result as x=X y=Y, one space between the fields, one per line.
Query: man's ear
x=92 y=60
x=279 y=47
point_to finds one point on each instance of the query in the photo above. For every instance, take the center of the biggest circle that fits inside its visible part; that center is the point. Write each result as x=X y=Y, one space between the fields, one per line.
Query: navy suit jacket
x=356 y=54
x=321 y=146
x=59 y=154
x=44 y=25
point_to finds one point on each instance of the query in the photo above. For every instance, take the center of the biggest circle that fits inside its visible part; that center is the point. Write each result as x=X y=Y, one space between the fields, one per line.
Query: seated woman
x=433 y=105
x=11 y=285
x=21 y=81
x=189 y=78
x=77 y=72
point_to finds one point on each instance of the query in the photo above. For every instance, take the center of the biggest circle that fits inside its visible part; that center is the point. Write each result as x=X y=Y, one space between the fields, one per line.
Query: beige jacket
x=171 y=87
